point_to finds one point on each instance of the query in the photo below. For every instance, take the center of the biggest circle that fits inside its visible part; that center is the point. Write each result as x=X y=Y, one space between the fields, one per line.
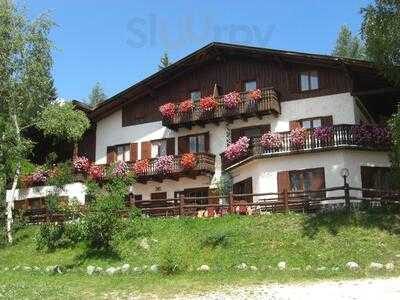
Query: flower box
x=168 y=110
x=238 y=149
x=164 y=164
x=140 y=167
x=188 y=161
x=297 y=137
x=271 y=140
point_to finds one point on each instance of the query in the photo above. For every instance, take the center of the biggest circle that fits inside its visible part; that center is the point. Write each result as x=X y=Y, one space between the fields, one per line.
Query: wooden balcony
x=205 y=165
x=342 y=138
x=268 y=104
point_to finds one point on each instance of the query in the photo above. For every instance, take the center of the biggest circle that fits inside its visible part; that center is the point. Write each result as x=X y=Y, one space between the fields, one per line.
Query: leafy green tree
x=164 y=61
x=97 y=95
x=348 y=46
x=381 y=32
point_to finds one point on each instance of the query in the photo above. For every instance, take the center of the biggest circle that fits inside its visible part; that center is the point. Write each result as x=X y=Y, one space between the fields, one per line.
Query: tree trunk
x=10 y=203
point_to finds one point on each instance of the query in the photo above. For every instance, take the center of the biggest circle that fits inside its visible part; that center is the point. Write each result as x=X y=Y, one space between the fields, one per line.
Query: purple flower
x=237 y=149
x=40 y=176
x=324 y=134
x=231 y=100
x=120 y=169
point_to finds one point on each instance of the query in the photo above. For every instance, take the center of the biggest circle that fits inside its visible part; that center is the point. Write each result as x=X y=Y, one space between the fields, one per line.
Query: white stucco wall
x=74 y=191
x=264 y=171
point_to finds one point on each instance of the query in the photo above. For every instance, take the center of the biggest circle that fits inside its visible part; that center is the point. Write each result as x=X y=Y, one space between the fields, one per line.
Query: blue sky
x=120 y=42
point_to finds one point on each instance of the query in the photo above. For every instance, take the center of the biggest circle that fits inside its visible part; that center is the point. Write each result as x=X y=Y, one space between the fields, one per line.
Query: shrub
x=171 y=258
x=61 y=175
x=40 y=176
x=52 y=236
x=216 y=239
x=96 y=172
x=81 y=164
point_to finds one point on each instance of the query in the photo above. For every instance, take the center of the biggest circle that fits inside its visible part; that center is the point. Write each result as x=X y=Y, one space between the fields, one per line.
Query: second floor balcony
x=175 y=166
x=248 y=104
x=343 y=136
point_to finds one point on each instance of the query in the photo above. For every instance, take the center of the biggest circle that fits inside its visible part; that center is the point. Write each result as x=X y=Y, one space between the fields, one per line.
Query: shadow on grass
x=387 y=219
x=88 y=254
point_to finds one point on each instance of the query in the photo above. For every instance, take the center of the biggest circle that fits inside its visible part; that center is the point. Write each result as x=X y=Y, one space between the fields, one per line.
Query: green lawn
x=328 y=240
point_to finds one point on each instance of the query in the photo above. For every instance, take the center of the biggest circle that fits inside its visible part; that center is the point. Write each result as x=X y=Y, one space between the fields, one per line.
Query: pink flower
x=40 y=176
x=96 y=172
x=363 y=134
x=382 y=136
x=164 y=164
x=231 y=100
x=81 y=164
x=120 y=169
x=237 y=149
x=168 y=110
x=297 y=137
x=271 y=140
x=324 y=134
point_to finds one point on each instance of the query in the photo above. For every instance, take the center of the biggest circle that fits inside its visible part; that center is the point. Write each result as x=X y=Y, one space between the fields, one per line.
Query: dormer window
x=250 y=86
x=195 y=96
x=309 y=81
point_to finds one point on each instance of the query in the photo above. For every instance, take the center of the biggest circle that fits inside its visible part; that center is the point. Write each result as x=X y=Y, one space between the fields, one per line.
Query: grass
x=328 y=240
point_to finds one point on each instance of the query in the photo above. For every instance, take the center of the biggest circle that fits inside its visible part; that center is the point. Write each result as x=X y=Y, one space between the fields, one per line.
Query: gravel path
x=384 y=289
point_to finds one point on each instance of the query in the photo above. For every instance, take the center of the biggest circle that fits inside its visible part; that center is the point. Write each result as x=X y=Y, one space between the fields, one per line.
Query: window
x=250 y=86
x=123 y=152
x=195 y=95
x=194 y=193
x=197 y=143
x=309 y=81
x=244 y=187
x=307 y=180
x=311 y=123
x=375 y=178
x=158 y=148
x=250 y=132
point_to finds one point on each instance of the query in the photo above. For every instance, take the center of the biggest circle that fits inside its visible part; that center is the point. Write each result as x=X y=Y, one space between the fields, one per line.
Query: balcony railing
x=268 y=104
x=342 y=137
x=205 y=164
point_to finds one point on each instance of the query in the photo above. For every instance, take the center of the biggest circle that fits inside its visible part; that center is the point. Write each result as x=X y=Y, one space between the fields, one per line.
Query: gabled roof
x=212 y=50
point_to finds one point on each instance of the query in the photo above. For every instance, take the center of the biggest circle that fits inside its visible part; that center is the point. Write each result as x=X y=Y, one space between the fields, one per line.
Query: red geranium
x=255 y=95
x=168 y=110
x=208 y=103
x=188 y=161
x=186 y=106
x=96 y=172
x=141 y=166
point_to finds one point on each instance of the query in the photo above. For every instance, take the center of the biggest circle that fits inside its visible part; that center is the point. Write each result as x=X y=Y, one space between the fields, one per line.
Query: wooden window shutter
x=183 y=144
x=207 y=142
x=171 y=146
x=294 y=124
x=134 y=151
x=327 y=121
x=146 y=150
x=283 y=181
x=318 y=179
x=111 y=155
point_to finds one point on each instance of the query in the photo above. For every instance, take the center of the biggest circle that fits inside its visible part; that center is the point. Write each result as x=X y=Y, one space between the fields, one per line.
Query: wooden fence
x=298 y=201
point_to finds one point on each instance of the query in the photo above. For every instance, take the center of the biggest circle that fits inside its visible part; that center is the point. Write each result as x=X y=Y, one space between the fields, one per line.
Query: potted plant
x=168 y=111
x=140 y=167
x=271 y=140
x=164 y=164
x=238 y=149
x=297 y=137
x=207 y=106
x=188 y=161
x=253 y=98
x=231 y=101
x=324 y=135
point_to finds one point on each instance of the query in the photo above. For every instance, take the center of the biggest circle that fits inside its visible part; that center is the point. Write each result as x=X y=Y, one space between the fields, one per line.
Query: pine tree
x=347 y=45
x=164 y=61
x=97 y=95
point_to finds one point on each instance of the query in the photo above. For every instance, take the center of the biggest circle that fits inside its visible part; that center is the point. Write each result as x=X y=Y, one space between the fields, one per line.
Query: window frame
x=309 y=75
x=204 y=134
x=195 y=91
x=381 y=173
x=302 y=172
x=311 y=120
x=123 y=153
x=152 y=142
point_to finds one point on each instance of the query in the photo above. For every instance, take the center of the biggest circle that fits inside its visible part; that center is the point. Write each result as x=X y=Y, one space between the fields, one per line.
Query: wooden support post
x=181 y=204
x=347 y=196
x=231 y=208
x=286 y=200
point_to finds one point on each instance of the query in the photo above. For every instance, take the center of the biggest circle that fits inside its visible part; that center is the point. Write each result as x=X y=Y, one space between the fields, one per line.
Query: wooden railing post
x=231 y=209
x=181 y=204
x=347 y=196
x=286 y=200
